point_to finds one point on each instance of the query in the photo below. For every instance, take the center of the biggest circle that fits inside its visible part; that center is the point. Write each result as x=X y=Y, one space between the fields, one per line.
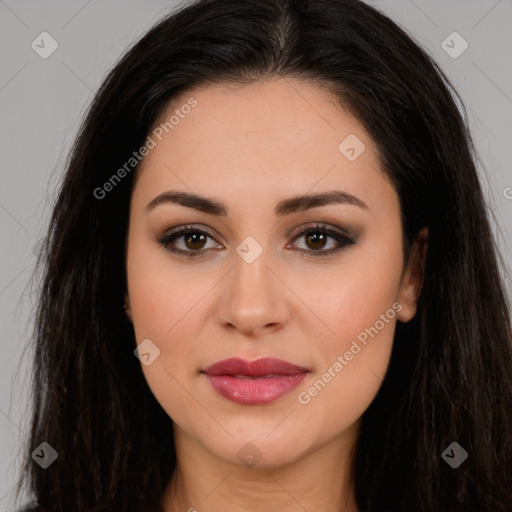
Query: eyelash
x=342 y=240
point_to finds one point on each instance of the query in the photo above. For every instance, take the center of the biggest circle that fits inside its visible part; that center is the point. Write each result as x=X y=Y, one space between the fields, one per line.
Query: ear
x=412 y=279
x=128 y=311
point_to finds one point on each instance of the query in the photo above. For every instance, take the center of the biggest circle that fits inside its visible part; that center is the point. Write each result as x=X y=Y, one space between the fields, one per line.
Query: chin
x=258 y=452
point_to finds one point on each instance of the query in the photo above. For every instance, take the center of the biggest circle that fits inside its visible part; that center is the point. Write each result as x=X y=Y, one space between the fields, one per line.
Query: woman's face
x=325 y=301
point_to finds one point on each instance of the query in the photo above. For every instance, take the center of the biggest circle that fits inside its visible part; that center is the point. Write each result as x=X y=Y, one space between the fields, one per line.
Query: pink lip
x=231 y=379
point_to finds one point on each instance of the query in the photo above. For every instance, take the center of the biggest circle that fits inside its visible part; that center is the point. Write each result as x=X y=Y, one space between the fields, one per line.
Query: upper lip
x=259 y=367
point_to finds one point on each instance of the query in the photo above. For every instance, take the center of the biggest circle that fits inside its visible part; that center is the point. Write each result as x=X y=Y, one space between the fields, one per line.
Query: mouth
x=256 y=382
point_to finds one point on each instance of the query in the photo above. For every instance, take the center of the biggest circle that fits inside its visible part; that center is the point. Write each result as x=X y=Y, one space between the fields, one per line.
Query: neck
x=203 y=482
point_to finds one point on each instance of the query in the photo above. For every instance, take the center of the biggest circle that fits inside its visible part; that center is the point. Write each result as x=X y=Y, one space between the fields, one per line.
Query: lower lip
x=258 y=391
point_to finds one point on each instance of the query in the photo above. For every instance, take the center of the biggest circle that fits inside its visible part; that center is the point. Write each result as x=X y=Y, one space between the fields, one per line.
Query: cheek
x=359 y=305
x=354 y=294
x=165 y=310
x=162 y=294
x=166 y=303
x=351 y=366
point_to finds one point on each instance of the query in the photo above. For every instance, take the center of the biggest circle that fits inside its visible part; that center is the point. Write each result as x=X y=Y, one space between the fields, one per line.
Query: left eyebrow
x=306 y=202
x=284 y=207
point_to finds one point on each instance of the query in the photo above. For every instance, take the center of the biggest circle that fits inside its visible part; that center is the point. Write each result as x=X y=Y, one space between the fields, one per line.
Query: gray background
x=43 y=100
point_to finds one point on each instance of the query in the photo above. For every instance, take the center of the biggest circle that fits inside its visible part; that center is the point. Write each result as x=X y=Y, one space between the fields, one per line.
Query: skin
x=251 y=146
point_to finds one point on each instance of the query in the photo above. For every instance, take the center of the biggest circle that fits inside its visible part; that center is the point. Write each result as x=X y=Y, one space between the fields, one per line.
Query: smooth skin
x=251 y=146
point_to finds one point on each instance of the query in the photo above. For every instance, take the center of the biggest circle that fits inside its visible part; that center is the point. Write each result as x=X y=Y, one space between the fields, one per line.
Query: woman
x=270 y=281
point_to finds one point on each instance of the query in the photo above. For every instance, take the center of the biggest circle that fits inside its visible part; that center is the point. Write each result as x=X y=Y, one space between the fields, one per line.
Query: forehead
x=271 y=138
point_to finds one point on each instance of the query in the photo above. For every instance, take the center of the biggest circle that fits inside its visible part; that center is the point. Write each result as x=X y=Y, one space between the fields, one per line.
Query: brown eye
x=316 y=239
x=194 y=240
x=187 y=241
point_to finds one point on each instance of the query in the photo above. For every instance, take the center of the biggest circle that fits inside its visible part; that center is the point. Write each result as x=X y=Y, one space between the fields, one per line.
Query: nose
x=255 y=299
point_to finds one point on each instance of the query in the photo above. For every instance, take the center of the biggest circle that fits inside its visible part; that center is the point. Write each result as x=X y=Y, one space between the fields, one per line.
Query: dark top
x=30 y=507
